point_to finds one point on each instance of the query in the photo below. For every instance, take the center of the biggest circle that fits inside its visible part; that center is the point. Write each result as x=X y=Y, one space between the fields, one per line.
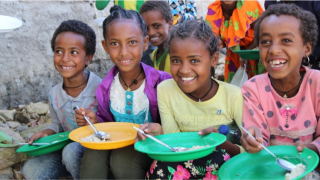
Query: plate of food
x=8 y=23
x=262 y=165
x=56 y=142
x=252 y=54
x=199 y=146
x=121 y=134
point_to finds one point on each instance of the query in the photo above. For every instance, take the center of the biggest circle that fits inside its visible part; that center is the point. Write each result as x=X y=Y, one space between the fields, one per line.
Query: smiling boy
x=159 y=20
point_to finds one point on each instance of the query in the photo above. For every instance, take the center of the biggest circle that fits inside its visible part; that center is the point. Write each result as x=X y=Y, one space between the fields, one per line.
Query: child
x=282 y=106
x=126 y=94
x=314 y=8
x=193 y=101
x=159 y=20
x=232 y=21
x=73 y=44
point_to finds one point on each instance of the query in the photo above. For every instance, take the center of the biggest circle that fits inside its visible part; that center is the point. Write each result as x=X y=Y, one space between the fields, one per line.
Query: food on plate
x=94 y=138
x=300 y=169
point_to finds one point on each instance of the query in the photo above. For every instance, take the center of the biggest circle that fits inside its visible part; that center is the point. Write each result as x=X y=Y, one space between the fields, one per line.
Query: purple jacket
x=153 y=78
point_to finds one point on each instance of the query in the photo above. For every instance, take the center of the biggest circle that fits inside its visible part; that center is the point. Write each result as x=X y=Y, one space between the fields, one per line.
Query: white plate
x=8 y=23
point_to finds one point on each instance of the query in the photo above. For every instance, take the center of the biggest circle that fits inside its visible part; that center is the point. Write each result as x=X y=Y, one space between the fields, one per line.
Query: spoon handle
x=260 y=143
x=36 y=144
x=87 y=119
x=151 y=137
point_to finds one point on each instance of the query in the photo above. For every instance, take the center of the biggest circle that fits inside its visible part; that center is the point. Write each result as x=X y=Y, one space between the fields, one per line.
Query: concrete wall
x=26 y=60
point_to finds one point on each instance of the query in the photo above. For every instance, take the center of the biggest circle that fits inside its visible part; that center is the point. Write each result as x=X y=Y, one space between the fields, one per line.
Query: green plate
x=264 y=166
x=185 y=139
x=248 y=54
x=57 y=142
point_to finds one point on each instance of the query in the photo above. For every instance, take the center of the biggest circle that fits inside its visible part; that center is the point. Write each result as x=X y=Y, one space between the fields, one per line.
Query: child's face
x=191 y=64
x=125 y=44
x=281 y=46
x=158 y=27
x=70 y=54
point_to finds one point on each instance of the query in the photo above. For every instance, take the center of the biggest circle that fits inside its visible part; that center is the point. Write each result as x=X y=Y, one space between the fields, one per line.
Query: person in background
x=73 y=44
x=233 y=22
x=313 y=7
x=159 y=21
x=281 y=107
x=181 y=10
x=126 y=94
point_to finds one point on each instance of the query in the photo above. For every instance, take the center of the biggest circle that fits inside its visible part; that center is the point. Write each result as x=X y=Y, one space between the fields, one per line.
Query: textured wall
x=26 y=59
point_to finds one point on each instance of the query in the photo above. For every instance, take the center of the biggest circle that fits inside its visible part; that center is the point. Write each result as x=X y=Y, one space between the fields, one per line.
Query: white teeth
x=125 y=61
x=277 y=62
x=187 y=78
x=66 y=67
x=154 y=38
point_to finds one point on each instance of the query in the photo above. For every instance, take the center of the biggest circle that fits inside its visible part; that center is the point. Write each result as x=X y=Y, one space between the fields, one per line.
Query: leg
x=95 y=164
x=205 y=167
x=71 y=158
x=47 y=166
x=127 y=163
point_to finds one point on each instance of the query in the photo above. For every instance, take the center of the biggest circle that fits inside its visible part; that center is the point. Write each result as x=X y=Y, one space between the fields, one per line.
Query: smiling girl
x=282 y=106
x=192 y=101
x=126 y=94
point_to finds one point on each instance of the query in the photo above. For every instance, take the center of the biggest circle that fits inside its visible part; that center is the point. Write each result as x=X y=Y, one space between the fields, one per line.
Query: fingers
x=36 y=136
x=81 y=121
x=207 y=131
x=250 y=144
x=300 y=145
x=149 y=128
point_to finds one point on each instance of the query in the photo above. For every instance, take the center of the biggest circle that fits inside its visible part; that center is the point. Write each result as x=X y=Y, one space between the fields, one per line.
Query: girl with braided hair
x=126 y=94
x=194 y=102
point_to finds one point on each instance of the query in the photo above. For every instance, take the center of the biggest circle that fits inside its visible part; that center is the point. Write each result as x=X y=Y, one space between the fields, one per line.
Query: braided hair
x=197 y=29
x=116 y=12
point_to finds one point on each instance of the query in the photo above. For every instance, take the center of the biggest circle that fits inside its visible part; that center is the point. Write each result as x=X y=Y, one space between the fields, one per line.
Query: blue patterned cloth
x=129 y=116
x=186 y=8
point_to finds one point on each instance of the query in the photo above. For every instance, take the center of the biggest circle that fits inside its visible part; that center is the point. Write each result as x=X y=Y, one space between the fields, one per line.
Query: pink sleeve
x=316 y=140
x=253 y=114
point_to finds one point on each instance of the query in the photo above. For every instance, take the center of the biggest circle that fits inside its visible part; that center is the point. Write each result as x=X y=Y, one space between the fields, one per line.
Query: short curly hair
x=200 y=30
x=308 y=22
x=117 y=12
x=161 y=6
x=77 y=27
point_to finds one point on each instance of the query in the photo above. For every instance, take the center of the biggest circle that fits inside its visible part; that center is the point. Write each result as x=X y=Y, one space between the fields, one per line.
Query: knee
x=72 y=153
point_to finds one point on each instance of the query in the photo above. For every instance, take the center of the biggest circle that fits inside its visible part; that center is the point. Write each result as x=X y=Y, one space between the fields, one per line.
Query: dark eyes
x=194 y=61
x=58 y=52
x=114 y=43
x=267 y=41
x=175 y=61
x=133 y=42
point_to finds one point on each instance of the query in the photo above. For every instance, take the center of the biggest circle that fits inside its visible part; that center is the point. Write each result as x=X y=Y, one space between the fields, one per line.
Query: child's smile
x=282 y=48
x=70 y=54
x=190 y=65
x=125 y=44
x=158 y=27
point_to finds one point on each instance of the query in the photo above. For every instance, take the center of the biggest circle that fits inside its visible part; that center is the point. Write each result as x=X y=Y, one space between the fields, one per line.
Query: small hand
x=81 y=121
x=37 y=135
x=248 y=143
x=207 y=131
x=149 y=128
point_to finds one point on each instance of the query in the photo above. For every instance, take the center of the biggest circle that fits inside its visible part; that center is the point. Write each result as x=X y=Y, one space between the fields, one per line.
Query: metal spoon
x=99 y=134
x=283 y=163
x=35 y=144
x=174 y=149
